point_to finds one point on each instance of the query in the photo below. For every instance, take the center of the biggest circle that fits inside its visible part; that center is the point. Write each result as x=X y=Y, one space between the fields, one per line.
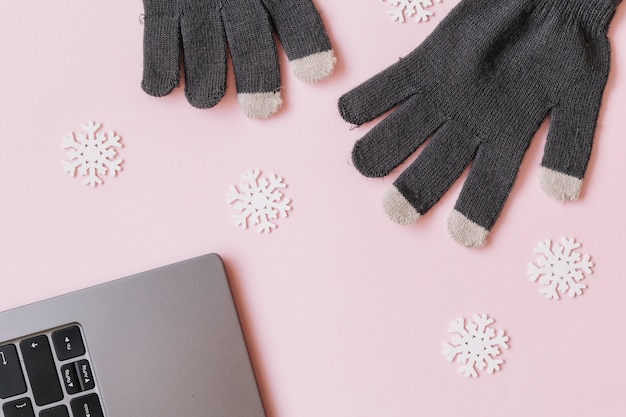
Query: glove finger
x=383 y=91
x=390 y=142
x=486 y=189
x=204 y=46
x=161 y=54
x=434 y=171
x=572 y=128
x=255 y=59
x=301 y=31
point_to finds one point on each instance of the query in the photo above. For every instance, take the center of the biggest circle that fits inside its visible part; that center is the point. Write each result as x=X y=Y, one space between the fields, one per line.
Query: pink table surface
x=345 y=312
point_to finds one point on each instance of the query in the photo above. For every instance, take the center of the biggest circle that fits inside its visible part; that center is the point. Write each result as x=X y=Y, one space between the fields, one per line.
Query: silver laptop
x=163 y=343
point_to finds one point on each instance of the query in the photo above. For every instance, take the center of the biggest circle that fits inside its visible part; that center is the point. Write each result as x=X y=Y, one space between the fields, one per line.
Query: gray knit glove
x=200 y=29
x=483 y=82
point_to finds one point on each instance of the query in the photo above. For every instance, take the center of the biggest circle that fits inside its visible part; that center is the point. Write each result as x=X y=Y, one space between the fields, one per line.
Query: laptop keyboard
x=48 y=375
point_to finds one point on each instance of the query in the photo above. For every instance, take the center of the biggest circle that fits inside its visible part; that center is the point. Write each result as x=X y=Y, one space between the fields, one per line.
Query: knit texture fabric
x=481 y=84
x=201 y=31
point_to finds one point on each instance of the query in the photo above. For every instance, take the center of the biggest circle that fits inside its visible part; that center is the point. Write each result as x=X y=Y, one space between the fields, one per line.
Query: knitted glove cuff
x=595 y=14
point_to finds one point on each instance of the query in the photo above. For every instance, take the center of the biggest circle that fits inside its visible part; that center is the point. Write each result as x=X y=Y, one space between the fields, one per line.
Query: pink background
x=345 y=312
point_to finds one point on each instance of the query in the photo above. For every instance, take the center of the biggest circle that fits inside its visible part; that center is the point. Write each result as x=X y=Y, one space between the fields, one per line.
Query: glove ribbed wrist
x=597 y=14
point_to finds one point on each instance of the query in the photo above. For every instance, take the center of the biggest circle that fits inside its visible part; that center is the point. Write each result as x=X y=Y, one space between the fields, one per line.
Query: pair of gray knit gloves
x=480 y=85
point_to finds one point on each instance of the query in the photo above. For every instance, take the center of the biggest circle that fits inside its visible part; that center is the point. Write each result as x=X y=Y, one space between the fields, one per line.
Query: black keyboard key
x=85 y=377
x=41 y=370
x=18 y=408
x=10 y=373
x=87 y=406
x=68 y=343
x=70 y=379
x=59 y=411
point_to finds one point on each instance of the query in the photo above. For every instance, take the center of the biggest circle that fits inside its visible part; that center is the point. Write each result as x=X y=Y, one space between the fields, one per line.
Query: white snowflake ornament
x=408 y=8
x=91 y=154
x=258 y=201
x=476 y=345
x=560 y=268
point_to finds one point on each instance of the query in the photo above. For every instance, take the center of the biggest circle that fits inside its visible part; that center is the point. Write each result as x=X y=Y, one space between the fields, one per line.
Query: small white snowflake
x=475 y=345
x=560 y=268
x=408 y=8
x=258 y=201
x=91 y=153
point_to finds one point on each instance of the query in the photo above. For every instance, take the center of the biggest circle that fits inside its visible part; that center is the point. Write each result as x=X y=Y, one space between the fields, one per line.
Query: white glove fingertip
x=560 y=186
